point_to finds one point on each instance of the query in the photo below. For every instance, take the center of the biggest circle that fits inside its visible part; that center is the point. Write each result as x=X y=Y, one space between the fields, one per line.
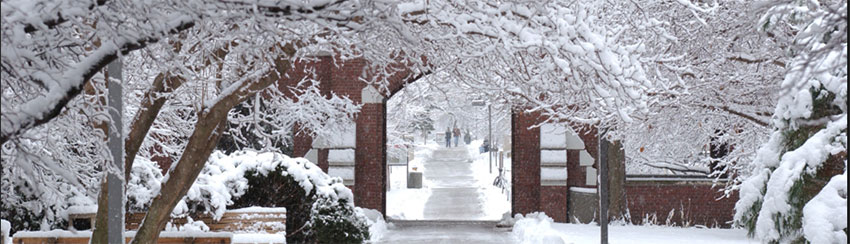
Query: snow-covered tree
x=795 y=193
x=193 y=61
x=46 y=62
x=714 y=79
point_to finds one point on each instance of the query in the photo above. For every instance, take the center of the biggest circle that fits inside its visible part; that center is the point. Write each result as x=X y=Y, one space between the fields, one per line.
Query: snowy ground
x=467 y=171
x=540 y=229
x=404 y=203
x=496 y=202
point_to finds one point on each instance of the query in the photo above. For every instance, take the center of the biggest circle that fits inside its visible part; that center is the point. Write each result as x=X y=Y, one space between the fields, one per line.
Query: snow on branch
x=44 y=108
x=49 y=13
x=676 y=167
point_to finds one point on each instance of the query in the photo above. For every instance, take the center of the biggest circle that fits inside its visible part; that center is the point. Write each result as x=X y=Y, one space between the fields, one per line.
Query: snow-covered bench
x=246 y=225
x=82 y=237
x=251 y=219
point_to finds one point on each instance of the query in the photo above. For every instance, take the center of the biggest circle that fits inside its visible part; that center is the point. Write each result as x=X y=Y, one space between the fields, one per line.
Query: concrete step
x=411 y=223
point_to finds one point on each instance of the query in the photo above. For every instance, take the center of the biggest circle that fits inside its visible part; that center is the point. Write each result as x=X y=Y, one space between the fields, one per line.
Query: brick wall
x=369 y=157
x=525 y=157
x=345 y=79
x=553 y=201
x=694 y=203
x=302 y=142
x=323 y=159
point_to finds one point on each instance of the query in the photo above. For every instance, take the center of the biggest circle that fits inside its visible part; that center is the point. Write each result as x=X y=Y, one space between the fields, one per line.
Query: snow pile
x=825 y=216
x=377 y=225
x=539 y=228
x=536 y=228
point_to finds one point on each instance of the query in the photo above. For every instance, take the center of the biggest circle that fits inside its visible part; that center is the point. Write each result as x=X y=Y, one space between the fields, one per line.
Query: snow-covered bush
x=793 y=175
x=319 y=207
x=337 y=222
x=145 y=181
x=28 y=206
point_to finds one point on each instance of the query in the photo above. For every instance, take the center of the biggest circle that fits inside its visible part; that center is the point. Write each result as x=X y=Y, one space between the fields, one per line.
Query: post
x=406 y=166
x=115 y=177
x=490 y=132
x=603 y=188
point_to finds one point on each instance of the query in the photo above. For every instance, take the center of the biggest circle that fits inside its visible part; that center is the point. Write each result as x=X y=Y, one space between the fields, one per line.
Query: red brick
x=553 y=200
x=525 y=153
x=698 y=202
x=369 y=157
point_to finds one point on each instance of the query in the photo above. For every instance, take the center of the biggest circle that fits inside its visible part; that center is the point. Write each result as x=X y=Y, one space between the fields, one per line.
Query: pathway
x=454 y=211
x=454 y=195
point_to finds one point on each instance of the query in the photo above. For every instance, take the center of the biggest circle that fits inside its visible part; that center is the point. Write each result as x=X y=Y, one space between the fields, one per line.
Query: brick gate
x=359 y=154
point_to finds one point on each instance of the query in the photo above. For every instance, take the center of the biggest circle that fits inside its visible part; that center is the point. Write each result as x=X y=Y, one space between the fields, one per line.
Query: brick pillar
x=302 y=142
x=553 y=202
x=370 y=155
x=323 y=159
x=525 y=160
x=575 y=172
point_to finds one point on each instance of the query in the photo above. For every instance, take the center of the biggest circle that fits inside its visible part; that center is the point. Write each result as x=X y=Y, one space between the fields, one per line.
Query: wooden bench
x=237 y=225
x=251 y=219
x=82 y=237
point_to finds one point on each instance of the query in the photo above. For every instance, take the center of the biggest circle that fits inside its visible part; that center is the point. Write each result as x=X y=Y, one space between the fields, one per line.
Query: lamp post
x=115 y=177
x=489 y=130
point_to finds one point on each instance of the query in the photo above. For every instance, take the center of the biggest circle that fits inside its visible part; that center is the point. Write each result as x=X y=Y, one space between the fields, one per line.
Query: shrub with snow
x=319 y=207
x=337 y=222
x=792 y=184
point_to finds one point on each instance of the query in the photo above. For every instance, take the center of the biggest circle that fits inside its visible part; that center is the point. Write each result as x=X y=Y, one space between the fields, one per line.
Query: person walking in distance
x=457 y=135
x=448 y=137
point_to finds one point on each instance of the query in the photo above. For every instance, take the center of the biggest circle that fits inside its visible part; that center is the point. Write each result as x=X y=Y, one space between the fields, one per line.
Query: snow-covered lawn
x=538 y=228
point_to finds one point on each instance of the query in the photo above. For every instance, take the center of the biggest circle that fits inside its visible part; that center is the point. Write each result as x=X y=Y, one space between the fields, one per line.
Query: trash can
x=414 y=180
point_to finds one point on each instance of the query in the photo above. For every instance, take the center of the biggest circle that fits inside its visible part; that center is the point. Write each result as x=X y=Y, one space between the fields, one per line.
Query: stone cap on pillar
x=371 y=95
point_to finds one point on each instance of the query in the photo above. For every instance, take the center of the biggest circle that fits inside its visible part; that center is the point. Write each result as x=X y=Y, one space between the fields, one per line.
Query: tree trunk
x=616 y=180
x=100 y=233
x=208 y=130
x=141 y=124
x=151 y=104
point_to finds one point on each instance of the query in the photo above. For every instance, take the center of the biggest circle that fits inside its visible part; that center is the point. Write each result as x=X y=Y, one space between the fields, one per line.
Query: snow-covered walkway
x=465 y=232
x=454 y=194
